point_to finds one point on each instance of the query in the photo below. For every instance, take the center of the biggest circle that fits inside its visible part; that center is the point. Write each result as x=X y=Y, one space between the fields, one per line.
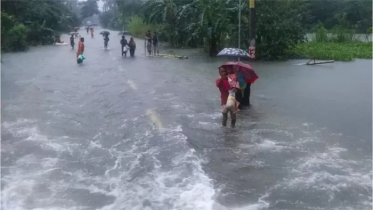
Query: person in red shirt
x=224 y=87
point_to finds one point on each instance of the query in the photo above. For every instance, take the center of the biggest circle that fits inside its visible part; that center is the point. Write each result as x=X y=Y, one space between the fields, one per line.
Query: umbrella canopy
x=233 y=52
x=105 y=32
x=242 y=68
x=73 y=33
x=124 y=33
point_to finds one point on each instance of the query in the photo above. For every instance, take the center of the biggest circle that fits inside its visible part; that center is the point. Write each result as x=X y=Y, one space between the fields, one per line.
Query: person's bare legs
x=233 y=119
x=224 y=120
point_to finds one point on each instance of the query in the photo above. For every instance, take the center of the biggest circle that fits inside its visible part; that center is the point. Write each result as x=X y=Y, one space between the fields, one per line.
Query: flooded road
x=144 y=133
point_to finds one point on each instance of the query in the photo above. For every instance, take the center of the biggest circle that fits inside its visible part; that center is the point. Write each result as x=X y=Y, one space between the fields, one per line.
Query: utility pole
x=252 y=29
x=239 y=26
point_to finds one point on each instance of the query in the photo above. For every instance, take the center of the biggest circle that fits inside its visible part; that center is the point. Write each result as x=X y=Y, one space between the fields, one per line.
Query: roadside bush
x=335 y=51
x=321 y=34
x=17 y=36
x=137 y=27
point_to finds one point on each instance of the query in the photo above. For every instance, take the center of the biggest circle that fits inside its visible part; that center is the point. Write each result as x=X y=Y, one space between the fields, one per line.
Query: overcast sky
x=100 y=4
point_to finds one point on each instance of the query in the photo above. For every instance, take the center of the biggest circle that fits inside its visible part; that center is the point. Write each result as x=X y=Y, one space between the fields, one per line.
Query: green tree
x=39 y=20
x=213 y=24
x=279 y=27
x=163 y=13
x=89 y=8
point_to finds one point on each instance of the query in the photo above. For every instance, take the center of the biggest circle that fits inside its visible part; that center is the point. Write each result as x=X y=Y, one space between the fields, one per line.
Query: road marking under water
x=132 y=84
x=155 y=118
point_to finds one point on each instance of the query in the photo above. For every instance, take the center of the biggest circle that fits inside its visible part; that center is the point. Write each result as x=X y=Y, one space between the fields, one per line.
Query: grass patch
x=137 y=27
x=334 y=51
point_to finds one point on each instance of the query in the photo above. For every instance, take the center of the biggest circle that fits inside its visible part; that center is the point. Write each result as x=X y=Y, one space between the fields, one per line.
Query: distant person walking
x=124 y=43
x=155 y=44
x=148 y=40
x=149 y=47
x=148 y=36
x=80 y=47
x=92 y=32
x=106 y=40
x=132 y=46
x=76 y=32
x=87 y=29
x=72 y=43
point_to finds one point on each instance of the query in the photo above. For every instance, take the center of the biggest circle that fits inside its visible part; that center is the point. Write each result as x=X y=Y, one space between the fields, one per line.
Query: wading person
x=243 y=89
x=80 y=47
x=132 y=46
x=224 y=87
x=246 y=96
x=149 y=47
x=148 y=36
x=232 y=76
x=124 y=43
x=106 y=40
x=72 y=43
x=76 y=32
x=155 y=44
x=92 y=33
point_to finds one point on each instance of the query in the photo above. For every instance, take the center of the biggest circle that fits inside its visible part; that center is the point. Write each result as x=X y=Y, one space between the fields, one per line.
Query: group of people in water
x=232 y=100
x=131 y=46
x=125 y=45
x=90 y=29
x=151 y=42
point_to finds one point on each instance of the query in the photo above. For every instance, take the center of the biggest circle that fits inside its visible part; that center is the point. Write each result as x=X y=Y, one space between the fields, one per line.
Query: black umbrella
x=105 y=32
x=233 y=52
x=124 y=33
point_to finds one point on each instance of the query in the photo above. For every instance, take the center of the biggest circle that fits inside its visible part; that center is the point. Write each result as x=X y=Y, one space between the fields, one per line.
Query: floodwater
x=144 y=133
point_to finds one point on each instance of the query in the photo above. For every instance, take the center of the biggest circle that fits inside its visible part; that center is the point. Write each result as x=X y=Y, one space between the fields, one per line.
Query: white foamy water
x=123 y=176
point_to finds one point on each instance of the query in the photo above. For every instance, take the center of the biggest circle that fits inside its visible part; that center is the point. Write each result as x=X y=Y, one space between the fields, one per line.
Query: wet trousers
x=245 y=99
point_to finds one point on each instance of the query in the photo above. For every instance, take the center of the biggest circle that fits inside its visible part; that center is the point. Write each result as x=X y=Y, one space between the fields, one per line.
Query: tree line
x=213 y=24
x=35 y=22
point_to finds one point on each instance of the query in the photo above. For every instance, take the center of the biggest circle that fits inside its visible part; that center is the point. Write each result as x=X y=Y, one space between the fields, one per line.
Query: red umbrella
x=245 y=69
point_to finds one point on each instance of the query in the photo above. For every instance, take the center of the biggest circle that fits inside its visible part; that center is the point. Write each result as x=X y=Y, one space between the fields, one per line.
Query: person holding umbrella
x=106 y=40
x=123 y=43
x=245 y=75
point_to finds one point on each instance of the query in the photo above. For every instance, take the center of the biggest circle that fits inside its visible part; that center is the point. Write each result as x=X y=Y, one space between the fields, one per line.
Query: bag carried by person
x=80 y=58
x=126 y=48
